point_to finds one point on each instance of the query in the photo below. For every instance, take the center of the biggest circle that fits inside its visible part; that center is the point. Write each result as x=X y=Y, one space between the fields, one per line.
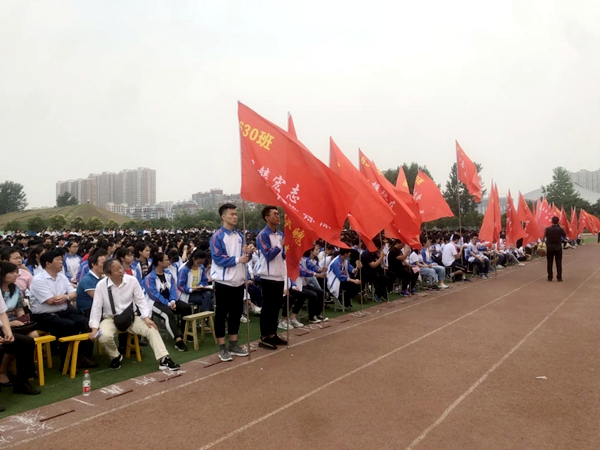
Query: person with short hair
x=341 y=277
x=228 y=270
x=50 y=297
x=124 y=290
x=87 y=286
x=553 y=236
x=476 y=257
x=451 y=255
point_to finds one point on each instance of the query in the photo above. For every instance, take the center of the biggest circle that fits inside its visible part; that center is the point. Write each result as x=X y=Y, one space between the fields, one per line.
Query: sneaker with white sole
x=236 y=350
x=284 y=325
x=521 y=264
x=168 y=363
x=443 y=286
x=296 y=323
x=322 y=319
x=315 y=319
x=224 y=355
x=243 y=319
x=499 y=266
x=256 y=310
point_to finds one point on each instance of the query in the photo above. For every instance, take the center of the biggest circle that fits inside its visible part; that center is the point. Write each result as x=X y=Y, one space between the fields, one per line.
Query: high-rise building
x=209 y=200
x=130 y=187
x=589 y=180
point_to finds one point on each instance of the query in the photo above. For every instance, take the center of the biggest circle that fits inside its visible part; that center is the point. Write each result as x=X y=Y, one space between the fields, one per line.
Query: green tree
x=454 y=188
x=57 y=222
x=95 y=223
x=13 y=225
x=410 y=172
x=595 y=209
x=130 y=224
x=12 y=197
x=112 y=225
x=562 y=192
x=162 y=223
x=77 y=223
x=36 y=223
x=66 y=199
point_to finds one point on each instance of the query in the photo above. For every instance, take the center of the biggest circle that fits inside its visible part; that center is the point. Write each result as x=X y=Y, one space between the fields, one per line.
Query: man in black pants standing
x=553 y=238
x=228 y=269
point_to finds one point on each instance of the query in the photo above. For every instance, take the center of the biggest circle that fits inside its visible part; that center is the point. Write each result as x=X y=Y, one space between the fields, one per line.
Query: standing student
x=228 y=270
x=272 y=271
x=553 y=237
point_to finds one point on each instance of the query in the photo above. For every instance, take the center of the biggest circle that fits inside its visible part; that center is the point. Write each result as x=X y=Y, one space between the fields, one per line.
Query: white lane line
x=253 y=360
x=475 y=385
x=81 y=401
x=354 y=371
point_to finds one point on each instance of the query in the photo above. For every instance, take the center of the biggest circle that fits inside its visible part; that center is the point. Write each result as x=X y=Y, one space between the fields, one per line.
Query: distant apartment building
x=214 y=198
x=589 y=180
x=135 y=187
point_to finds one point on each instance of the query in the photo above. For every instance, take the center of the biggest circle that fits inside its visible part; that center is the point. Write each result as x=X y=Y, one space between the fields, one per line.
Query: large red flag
x=573 y=224
x=467 y=173
x=524 y=213
x=528 y=217
x=489 y=228
x=369 y=213
x=514 y=230
x=544 y=215
x=298 y=180
x=406 y=225
x=432 y=205
x=564 y=221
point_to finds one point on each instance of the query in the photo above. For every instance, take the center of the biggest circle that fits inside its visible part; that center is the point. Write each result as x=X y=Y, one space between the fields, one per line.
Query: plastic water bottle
x=87 y=384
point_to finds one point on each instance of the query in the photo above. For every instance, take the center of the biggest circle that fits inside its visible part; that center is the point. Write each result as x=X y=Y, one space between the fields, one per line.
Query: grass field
x=70 y=212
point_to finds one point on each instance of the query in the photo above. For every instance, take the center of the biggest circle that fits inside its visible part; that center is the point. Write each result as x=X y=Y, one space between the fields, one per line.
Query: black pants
x=23 y=348
x=351 y=290
x=482 y=267
x=383 y=283
x=551 y=256
x=229 y=307
x=65 y=323
x=272 y=292
x=168 y=315
x=317 y=309
x=297 y=299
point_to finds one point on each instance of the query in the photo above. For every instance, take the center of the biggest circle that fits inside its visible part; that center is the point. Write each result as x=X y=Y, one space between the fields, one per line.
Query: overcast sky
x=110 y=85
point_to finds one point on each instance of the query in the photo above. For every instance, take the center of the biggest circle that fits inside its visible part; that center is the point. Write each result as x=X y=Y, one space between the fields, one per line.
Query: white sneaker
x=499 y=266
x=244 y=319
x=296 y=323
x=284 y=325
x=315 y=319
x=521 y=264
x=443 y=286
x=256 y=309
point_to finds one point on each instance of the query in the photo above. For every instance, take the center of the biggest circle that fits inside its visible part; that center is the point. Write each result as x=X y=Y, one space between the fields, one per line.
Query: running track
x=451 y=370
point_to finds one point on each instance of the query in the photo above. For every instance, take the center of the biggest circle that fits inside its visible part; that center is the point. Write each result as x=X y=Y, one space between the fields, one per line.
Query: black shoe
x=116 y=363
x=559 y=280
x=25 y=388
x=180 y=345
x=278 y=341
x=86 y=363
x=267 y=344
x=467 y=280
x=168 y=363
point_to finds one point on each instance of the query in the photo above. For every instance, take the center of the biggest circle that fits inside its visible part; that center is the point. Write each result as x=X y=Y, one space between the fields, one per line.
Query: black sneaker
x=25 y=388
x=267 y=344
x=168 y=363
x=467 y=280
x=322 y=319
x=180 y=345
x=278 y=341
x=116 y=363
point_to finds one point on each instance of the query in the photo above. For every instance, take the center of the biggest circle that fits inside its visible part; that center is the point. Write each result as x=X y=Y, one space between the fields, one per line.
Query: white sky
x=111 y=85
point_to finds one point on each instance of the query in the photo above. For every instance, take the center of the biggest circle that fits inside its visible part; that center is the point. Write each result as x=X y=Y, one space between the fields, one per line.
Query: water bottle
x=87 y=384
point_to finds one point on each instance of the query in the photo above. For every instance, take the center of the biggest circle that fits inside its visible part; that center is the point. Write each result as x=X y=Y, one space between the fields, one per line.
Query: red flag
x=432 y=204
x=401 y=181
x=489 y=228
x=406 y=225
x=467 y=173
x=369 y=213
x=298 y=180
x=564 y=222
x=544 y=215
x=528 y=217
x=514 y=230
x=586 y=220
x=573 y=224
x=524 y=213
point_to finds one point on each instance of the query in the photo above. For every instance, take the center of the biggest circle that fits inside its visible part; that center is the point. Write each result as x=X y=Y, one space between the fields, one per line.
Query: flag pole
x=287 y=297
x=246 y=293
x=458 y=199
x=360 y=277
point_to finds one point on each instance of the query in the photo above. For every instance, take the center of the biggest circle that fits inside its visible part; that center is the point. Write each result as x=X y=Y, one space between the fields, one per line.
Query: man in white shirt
x=451 y=256
x=51 y=295
x=125 y=289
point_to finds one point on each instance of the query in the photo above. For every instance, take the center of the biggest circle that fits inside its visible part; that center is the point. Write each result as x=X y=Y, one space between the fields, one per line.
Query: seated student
x=50 y=297
x=14 y=256
x=340 y=277
x=426 y=272
x=193 y=282
x=372 y=272
x=161 y=288
x=87 y=285
x=33 y=259
x=476 y=257
x=71 y=261
x=399 y=265
x=125 y=290
x=125 y=257
x=451 y=257
x=428 y=261
x=310 y=273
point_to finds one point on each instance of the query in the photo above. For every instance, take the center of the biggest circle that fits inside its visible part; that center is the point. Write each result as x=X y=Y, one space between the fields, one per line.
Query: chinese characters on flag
x=432 y=205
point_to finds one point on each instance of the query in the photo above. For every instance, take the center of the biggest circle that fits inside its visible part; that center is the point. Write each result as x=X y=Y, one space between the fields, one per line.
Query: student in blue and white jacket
x=339 y=277
x=161 y=288
x=193 y=283
x=71 y=261
x=228 y=269
x=272 y=271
